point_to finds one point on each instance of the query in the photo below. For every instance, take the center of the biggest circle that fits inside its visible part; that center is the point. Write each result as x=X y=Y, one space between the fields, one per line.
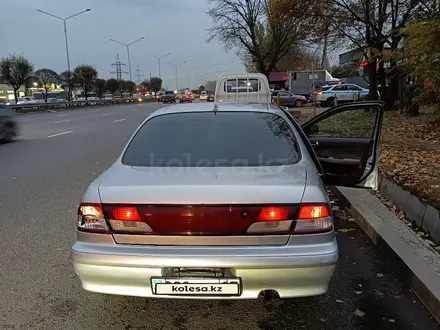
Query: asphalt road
x=42 y=178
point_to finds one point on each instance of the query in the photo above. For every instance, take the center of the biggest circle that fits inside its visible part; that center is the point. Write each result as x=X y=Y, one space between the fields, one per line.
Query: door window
x=340 y=88
x=358 y=123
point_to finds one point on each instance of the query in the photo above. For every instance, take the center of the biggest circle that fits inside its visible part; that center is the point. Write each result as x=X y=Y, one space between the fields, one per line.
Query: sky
x=169 y=26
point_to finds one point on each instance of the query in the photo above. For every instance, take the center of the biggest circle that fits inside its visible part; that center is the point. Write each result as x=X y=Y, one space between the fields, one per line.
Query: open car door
x=346 y=141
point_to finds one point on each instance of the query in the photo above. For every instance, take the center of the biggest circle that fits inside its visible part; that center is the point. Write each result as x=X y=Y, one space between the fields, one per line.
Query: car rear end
x=203 y=96
x=180 y=216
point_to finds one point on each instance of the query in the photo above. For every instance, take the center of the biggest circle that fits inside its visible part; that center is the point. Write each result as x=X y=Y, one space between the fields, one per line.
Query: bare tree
x=263 y=30
x=372 y=26
x=47 y=77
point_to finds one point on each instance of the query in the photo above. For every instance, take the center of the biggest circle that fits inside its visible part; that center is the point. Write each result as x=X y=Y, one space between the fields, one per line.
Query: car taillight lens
x=126 y=214
x=91 y=218
x=273 y=220
x=273 y=214
x=319 y=93
x=313 y=219
x=126 y=219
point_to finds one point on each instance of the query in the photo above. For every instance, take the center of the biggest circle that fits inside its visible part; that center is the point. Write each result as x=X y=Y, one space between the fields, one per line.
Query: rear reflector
x=200 y=220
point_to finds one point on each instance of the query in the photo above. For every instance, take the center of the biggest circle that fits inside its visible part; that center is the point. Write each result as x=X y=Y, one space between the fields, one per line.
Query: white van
x=243 y=87
x=203 y=95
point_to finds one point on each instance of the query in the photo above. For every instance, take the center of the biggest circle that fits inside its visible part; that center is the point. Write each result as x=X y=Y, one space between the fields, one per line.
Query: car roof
x=222 y=106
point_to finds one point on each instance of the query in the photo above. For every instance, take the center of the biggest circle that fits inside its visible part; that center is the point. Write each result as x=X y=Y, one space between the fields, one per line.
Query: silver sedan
x=228 y=200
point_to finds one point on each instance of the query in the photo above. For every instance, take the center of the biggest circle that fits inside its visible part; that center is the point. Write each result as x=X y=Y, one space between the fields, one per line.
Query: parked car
x=8 y=124
x=211 y=97
x=236 y=219
x=340 y=93
x=288 y=99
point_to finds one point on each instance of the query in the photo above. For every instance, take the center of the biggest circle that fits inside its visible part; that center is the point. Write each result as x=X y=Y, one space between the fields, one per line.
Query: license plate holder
x=196 y=286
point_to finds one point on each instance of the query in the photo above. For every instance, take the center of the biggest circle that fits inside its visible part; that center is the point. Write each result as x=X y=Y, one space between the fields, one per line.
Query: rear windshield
x=206 y=139
x=326 y=88
x=169 y=92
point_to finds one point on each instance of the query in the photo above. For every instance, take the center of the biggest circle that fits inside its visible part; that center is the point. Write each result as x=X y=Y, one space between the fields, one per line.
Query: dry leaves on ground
x=414 y=168
x=425 y=127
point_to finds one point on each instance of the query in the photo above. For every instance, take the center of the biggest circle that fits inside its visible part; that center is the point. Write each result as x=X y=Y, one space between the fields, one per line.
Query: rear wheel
x=330 y=101
x=7 y=133
x=299 y=103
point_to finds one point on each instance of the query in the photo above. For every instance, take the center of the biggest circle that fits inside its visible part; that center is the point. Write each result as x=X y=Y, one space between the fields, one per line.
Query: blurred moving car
x=185 y=98
x=169 y=97
x=288 y=99
x=8 y=124
x=203 y=96
x=234 y=220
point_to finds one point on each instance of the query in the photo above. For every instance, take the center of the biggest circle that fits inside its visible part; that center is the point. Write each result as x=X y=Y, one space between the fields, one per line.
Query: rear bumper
x=127 y=270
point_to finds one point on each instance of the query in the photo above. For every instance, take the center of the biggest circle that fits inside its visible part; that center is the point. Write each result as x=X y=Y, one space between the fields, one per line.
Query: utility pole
x=138 y=75
x=176 y=66
x=158 y=58
x=67 y=44
x=128 y=51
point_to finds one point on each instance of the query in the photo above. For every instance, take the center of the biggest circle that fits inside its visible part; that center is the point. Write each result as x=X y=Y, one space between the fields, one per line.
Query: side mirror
x=314 y=130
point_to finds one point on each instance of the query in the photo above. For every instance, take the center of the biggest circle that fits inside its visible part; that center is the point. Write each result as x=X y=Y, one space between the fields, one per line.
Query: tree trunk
x=372 y=63
x=382 y=80
x=16 y=94
x=393 y=88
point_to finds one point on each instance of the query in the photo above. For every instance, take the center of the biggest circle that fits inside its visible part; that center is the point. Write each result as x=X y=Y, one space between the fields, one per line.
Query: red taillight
x=126 y=214
x=273 y=214
x=313 y=212
x=313 y=219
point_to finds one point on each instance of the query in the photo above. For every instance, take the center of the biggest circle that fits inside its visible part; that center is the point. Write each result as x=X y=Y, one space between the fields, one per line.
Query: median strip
x=59 y=134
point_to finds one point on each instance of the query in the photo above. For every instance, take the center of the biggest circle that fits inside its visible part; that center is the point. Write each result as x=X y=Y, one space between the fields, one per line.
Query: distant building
x=352 y=57
x=6 y=91
x=279 y=79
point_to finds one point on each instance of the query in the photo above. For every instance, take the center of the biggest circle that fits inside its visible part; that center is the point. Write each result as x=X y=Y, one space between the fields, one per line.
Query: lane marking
x=117 y=121
x=58 y=134
x=61 y=115
x=106 y=114
x=61 y=121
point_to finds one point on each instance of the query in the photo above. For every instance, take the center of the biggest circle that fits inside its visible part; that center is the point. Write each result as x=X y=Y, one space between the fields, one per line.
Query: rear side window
x=242 y=85
x=206 y=139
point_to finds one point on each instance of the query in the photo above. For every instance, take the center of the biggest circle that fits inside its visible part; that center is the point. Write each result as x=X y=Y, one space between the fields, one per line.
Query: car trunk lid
x=195 y=205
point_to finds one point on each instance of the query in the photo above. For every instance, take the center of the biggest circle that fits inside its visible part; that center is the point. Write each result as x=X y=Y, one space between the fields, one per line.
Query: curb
x=415 y=261
x=421 y=214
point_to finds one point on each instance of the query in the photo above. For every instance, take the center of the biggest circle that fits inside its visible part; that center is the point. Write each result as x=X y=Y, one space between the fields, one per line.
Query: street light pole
x=175 y=67
x=128 y=52
x=158 y=58
x=65 y=38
